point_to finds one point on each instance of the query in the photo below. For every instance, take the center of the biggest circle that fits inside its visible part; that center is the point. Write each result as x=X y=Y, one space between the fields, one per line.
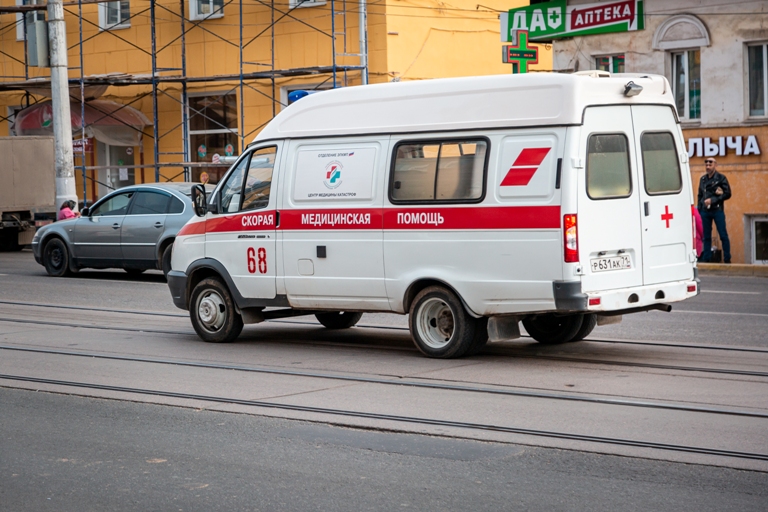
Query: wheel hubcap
x=435 y=323
x=55 y=257
x=212 y=311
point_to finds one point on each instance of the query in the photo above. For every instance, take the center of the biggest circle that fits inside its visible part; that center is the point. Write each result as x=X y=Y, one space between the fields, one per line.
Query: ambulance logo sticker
x=333 y=175
x=524 y=167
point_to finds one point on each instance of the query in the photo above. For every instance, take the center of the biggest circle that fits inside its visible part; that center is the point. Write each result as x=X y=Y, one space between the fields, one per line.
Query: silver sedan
x=132 y=228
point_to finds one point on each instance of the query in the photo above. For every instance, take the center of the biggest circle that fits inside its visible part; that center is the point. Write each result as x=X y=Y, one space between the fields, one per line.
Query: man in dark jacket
x=714 y=190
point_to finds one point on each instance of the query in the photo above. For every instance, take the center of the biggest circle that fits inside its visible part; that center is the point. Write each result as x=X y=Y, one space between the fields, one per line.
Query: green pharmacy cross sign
x=519 y=54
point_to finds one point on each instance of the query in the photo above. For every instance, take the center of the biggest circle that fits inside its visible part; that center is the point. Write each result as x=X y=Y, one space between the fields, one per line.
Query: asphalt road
x=63 y=450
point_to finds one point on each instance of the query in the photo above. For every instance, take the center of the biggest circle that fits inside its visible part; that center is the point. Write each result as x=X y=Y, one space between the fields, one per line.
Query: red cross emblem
x=666 y=216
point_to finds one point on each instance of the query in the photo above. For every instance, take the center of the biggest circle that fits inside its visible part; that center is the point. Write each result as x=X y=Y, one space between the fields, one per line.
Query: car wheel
x=56 y=258
x=339 y=319
x=166 y=259
x=440 y=326
x=587 y=325
x=213 y=312
x=551 y=329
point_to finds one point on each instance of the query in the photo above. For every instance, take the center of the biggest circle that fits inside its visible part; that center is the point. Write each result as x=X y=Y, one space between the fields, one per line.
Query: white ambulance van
x=471 y=204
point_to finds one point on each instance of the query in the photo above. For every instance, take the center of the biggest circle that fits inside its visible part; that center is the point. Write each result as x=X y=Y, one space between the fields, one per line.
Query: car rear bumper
x=177 y=283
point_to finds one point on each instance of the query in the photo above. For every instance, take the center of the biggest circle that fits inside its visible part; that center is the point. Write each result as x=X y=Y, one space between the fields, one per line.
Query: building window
x=206 y=9
x=610 y=63
x=114 y=15
x=293 y=4
x=212 y=130
x=758 y=84
x=760 y=240
x=30 y=17
x=686 y=83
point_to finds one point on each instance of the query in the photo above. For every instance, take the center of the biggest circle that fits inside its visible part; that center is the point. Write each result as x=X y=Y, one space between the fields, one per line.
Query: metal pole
x=184 y=96
x=62 y=118
x=82 y=108
x=363 y=41
x=242 y=99
x=152 y=21
x=333 y=39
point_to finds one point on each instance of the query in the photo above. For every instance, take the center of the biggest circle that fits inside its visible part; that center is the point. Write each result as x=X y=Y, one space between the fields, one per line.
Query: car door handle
x=116 y=225
x=647 y=209
x=158 y=224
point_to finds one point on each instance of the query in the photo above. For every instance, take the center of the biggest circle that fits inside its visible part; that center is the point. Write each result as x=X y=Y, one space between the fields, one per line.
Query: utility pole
x=62 y=118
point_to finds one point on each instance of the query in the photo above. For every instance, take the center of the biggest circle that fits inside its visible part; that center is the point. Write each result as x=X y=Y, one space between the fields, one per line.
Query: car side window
x=259 y=180
x=115 y=205
x=175 y=206
x=608 y=174
x=232 y=191
x=439 y=171
x=149 y=203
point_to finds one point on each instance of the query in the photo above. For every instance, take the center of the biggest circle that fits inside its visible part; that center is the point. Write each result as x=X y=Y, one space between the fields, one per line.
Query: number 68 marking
x=254 y=263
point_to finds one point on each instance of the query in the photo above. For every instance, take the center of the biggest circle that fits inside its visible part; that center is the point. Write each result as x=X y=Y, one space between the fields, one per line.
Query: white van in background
x=472 y=204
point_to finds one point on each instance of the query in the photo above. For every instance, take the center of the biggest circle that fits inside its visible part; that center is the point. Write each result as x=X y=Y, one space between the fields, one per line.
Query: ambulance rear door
x=608 y=218
x=665 y=195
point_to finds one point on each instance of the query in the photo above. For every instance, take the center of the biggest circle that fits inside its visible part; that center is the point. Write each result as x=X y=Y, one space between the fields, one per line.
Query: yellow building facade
x=223 y=69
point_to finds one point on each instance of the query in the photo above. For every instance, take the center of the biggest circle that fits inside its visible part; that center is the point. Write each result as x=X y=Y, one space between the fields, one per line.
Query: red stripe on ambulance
x=525 y=166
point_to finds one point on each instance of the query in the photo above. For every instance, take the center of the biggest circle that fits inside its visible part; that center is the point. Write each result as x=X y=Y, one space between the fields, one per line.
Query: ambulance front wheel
x=440 y=326
x=550 y=329
x=339 y=319
x=213 y=312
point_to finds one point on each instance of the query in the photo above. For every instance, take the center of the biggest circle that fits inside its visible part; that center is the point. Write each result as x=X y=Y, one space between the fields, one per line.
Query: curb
x=732 y=269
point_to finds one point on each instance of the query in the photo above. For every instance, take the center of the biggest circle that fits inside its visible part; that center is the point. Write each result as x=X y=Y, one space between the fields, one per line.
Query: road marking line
x=723 y=291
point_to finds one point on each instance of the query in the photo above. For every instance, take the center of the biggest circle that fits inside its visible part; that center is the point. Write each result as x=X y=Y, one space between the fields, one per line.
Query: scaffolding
x=161 y=80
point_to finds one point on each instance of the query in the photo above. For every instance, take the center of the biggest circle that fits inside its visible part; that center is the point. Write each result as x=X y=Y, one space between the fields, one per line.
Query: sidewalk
x=732 y=269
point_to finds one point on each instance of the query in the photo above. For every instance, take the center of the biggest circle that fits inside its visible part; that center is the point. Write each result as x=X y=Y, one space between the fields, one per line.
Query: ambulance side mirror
x=199 y=202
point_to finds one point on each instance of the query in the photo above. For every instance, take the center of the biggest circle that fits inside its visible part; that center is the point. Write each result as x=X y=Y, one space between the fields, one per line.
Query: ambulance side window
x=259 y=181
x=439 y=171
x=660 y=164
x=232 y=190
x=608 y=175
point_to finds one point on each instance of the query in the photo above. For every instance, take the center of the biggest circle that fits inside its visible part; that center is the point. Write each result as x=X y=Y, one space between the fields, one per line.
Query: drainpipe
x=62 y=119
x=363 y=41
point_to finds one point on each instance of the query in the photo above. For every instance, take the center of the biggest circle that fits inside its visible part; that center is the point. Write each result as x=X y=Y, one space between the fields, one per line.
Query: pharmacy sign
x=553 y=20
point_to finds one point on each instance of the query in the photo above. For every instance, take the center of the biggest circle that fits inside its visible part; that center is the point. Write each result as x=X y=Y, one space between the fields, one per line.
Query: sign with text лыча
x=556 y=19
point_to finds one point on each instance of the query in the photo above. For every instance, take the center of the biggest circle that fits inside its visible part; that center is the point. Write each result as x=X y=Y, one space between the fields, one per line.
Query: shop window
x=686 y=83
x=760 y=240
x=212 y=130
x=439 y=171
x=206 y=9
x=114 y=15
x=610 y=63
x=757 y=57
x=29 y=17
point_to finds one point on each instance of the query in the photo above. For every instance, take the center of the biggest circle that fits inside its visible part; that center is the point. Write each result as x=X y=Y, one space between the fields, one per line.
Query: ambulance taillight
x=571 y=238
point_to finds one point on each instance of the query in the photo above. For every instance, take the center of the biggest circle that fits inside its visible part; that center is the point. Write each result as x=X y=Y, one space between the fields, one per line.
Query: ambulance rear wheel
x=440 y=326
x=551 y=329
x=339 y=319
x=587 y=326
x=213 y=313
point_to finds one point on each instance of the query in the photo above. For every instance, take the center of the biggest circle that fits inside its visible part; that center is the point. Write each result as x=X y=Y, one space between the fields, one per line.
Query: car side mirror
x=85 y=212
x=199 y=202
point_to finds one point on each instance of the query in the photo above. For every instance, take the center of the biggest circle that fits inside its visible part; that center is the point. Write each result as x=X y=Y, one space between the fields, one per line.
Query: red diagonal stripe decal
x=525 y=166
x=531 y=156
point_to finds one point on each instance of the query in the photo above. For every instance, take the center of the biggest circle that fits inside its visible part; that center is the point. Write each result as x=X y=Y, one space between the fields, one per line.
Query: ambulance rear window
x=608 y=174
x=660 y=164
x=439 y=171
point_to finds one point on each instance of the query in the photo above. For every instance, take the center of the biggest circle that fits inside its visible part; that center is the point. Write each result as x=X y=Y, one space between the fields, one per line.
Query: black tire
x=213 y=312
x=134 y=272
x=165 y=261
x=481 y=336
x=587 y=325
x=551 y=329
x=56 y=258
x=339 y=319
x=440 y=326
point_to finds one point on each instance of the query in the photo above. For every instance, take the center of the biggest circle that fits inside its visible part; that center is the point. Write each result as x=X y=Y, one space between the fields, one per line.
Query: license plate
x=613 y=263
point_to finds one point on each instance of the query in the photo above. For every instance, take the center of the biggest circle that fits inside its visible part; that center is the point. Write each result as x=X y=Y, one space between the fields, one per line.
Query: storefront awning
x=109 y=122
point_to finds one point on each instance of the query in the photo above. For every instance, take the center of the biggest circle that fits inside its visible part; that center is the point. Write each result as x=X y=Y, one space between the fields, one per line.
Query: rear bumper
x=177 y=283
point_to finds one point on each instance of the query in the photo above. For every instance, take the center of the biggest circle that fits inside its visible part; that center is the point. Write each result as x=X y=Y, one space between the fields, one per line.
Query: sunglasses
x=709 y=161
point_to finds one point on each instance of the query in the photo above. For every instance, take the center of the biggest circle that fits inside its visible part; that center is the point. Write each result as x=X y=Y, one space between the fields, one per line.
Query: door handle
x=158 y=224
x=115 y=226
x=647 y=208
